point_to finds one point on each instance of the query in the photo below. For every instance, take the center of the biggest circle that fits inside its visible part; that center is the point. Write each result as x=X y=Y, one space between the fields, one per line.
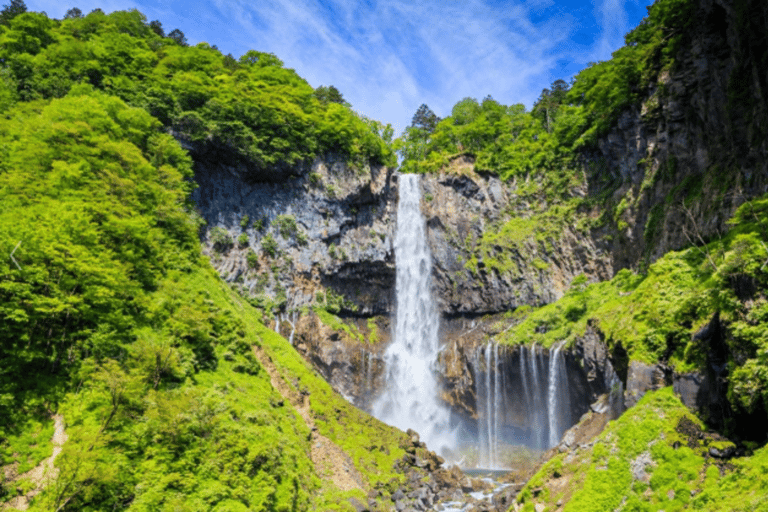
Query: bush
x=242 y=240
x=253 y=260
x=269 y=245
x=220 y=238
x=285 y=225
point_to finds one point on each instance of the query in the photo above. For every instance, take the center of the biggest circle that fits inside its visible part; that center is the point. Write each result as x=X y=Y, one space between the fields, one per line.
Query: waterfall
x=410 y=398
x=536 y=417
x=498 y=392
x=366 y=387
x=557 y=398
x=542 y=397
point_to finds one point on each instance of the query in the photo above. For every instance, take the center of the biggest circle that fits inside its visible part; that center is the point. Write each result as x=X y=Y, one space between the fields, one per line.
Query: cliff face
x=326 y=226
x=669 y=174
x=696 y=146
x=459 y=209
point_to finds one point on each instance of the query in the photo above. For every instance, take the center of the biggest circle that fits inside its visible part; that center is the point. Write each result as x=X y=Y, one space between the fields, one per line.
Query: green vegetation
x=244 y=105
x=111 y=316
x=653 y=457
x=220 y=238
x=269 y=245
x=253 y=260
x=337 y=324
x=654 y=315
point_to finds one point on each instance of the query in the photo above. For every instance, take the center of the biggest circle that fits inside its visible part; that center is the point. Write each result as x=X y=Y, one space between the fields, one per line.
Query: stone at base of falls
x=588 y=427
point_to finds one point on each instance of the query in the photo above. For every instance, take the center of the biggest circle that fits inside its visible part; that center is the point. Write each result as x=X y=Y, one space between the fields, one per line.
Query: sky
x=387 y=57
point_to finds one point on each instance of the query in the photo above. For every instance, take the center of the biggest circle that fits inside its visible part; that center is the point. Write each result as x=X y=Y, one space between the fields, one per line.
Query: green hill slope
x=113 y=319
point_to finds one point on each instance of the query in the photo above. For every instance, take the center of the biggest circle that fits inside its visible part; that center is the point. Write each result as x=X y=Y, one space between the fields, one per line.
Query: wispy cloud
x=613 y=20
x=388 y=57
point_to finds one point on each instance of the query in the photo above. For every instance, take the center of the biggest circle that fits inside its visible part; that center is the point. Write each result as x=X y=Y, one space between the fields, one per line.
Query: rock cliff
x=326 y=226
x=695 y=147
x=668 y=174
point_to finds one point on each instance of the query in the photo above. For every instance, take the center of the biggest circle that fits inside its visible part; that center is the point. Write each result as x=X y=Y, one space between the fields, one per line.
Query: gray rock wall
x=342 y=241
x=458 y=209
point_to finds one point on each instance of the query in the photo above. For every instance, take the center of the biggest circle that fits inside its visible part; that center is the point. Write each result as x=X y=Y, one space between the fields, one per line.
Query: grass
x=601 y=477
x=680 y=474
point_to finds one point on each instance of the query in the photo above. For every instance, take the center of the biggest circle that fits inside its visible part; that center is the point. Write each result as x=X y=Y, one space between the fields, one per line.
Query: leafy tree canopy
x=255 y=108
x=12 y=10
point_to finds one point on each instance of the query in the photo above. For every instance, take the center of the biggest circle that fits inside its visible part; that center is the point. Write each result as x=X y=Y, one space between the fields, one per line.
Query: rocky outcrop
x=326 y=226
x=696 y=147
x=641 y=378
x=460 y=206
x=353 y=367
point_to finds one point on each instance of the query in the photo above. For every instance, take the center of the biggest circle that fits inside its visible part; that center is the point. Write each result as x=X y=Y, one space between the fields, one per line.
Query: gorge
x=228 y=291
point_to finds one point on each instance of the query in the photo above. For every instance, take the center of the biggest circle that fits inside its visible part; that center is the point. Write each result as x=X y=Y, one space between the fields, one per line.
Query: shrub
x=285 y=225
x=220 y=238
x=253 y=260
x=242 y=240
x=244 y=222
x=269 y=245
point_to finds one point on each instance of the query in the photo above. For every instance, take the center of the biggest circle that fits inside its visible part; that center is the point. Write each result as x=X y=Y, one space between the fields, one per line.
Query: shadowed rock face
x=332 y=228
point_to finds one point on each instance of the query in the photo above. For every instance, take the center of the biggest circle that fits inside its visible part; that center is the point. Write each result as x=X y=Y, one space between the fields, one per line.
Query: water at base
x=410 y=397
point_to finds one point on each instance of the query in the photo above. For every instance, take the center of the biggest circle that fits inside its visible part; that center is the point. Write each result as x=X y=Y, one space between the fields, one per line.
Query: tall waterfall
x=410 y=398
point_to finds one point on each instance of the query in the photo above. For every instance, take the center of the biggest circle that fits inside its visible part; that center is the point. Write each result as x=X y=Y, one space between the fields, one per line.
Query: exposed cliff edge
x=696 y=146
x=326 y=225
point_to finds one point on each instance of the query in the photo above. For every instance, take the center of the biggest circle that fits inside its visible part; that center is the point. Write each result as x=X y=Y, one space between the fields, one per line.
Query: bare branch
x=14 y=259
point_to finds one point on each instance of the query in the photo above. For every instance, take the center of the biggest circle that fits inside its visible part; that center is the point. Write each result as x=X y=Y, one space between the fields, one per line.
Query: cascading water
x=557 y=399
x=541 y=395
x=410 y=398
x=490 y=396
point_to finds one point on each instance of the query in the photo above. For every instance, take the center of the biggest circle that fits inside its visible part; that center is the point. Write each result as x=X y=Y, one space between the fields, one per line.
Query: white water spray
x=410 y=399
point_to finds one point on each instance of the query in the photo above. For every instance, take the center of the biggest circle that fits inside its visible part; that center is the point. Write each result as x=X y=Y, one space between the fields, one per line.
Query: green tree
x=157 y=28
x=329 y=94
x=73 y=13
x=12 y=10
x=260 y=59
x=425 y=119
x=465 y=111
x=178 y=36
x=547 y=106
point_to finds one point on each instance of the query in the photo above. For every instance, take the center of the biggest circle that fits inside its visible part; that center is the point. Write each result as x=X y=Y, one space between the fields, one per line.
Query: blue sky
x=389 y=57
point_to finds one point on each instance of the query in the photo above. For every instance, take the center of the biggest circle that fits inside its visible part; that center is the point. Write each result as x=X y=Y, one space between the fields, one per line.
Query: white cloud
x=388 y=57
x=613 y=21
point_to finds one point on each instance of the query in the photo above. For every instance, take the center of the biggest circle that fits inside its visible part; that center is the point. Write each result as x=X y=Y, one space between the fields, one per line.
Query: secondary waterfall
x=533 y=392
x=410 y=398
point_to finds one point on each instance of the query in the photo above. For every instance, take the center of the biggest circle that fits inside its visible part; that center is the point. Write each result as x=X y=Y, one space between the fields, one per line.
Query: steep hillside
x=161 y=385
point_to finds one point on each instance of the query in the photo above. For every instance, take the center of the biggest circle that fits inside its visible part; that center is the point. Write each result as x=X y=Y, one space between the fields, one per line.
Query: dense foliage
x=113 y=319
x=110 y=315
x=252 y=107
x=655 y=457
